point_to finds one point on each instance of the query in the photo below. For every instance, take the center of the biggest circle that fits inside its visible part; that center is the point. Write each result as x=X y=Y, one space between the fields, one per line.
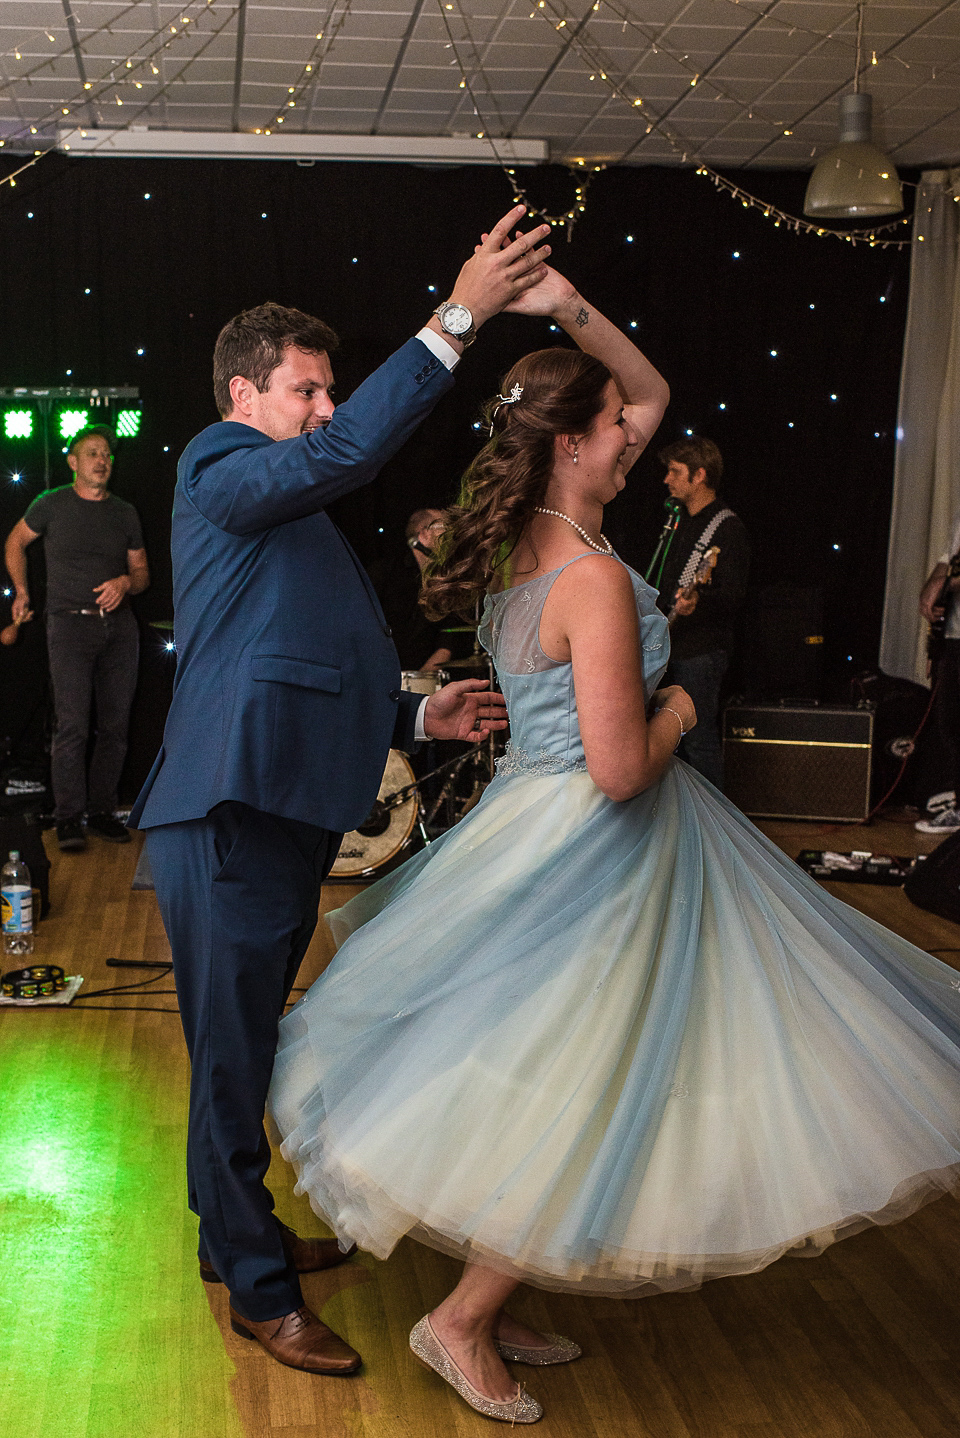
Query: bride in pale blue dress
x=602 y=1036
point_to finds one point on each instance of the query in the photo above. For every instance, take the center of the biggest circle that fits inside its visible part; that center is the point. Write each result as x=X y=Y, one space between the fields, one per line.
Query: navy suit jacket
x=287 y=692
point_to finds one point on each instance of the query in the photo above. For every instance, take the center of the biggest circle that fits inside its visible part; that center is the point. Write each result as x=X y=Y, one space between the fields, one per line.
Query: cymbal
x=460 y=629
x=472 y=661
x=161 y=623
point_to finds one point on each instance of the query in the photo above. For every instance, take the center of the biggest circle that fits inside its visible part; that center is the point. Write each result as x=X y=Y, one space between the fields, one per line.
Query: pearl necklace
x=582 y=532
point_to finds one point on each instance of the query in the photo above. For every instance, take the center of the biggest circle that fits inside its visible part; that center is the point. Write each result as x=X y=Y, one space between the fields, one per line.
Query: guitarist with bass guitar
x=940 y=606
x=701 y=575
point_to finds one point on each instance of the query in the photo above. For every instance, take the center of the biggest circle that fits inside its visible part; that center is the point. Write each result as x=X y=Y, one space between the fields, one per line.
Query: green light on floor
x=128 y=423
x=72 y=421
x=18 y=423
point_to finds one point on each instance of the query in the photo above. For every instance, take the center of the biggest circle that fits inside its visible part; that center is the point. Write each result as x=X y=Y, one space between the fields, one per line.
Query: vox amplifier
x=795 y=762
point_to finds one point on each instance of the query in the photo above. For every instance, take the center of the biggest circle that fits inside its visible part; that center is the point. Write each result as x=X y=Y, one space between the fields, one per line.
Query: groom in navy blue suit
x=286 y=702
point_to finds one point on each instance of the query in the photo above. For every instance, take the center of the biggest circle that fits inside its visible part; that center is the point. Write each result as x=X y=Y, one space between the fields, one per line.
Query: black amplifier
x=785 y=761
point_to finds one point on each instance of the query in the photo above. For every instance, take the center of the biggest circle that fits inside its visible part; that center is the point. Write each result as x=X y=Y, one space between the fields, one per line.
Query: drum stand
x=451 y=768
x=482 y=757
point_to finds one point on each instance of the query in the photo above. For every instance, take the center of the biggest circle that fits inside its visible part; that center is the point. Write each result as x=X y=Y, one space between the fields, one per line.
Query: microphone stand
x=671 y=525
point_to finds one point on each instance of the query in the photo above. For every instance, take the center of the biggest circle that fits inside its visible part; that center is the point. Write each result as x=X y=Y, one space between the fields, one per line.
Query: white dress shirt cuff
x=438 y=346
x=419 y=733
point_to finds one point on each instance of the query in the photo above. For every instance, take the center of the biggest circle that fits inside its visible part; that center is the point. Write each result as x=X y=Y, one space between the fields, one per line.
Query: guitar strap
x=700 y=548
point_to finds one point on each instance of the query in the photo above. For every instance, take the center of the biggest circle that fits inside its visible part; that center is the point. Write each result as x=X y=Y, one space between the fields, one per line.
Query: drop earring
x=576 y=453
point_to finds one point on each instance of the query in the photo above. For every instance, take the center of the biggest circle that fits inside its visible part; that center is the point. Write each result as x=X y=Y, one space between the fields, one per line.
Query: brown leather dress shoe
x=309 y=1255
x=300 y=1340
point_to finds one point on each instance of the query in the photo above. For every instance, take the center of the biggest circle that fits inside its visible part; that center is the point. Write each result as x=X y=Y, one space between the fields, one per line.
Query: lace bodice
x=544 y=727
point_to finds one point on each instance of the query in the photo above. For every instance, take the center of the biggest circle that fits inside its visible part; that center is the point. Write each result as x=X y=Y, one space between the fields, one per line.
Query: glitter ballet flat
x=431 y=1352
x=559 y=1350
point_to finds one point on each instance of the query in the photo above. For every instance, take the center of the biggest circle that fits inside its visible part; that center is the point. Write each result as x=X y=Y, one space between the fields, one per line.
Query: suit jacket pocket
x=306 y=673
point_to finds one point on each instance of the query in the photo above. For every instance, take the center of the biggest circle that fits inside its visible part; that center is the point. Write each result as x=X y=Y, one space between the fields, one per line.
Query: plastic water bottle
x=16 y=898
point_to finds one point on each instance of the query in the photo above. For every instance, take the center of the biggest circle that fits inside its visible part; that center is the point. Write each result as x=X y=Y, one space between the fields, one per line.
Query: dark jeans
x=238 y=892
x=702 y=677
x=91 y=658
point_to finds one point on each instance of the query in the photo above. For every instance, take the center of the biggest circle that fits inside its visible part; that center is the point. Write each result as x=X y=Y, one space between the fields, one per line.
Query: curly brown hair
x=563 y=392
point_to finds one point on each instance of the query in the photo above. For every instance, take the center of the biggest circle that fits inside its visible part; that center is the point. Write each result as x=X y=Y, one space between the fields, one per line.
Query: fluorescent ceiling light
x=229 y=145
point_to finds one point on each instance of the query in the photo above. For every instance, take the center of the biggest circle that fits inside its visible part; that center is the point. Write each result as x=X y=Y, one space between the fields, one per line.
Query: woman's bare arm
x=590 y=617
x=644 y=391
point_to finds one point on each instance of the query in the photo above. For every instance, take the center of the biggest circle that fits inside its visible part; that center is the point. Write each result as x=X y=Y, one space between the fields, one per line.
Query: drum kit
x=410 y=811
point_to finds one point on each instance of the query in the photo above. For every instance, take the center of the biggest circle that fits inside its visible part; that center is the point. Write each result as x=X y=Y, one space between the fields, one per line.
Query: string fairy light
x=310 y=74
x=133 y=62
x=746 y=108
x=581 y=175
x=67 y=52
x=871 y=236
x=698 y=77
x=573 y=37
x=767 y=17
x=99 y=90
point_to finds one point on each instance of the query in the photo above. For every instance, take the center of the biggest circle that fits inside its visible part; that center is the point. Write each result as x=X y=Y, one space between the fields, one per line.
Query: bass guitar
x=702 y=576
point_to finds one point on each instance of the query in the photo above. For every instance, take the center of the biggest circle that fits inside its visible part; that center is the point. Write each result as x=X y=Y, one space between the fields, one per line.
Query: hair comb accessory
x=503 y=399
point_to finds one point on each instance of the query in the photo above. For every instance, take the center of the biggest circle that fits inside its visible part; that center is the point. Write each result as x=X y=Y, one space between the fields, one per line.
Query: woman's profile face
x=604 y=455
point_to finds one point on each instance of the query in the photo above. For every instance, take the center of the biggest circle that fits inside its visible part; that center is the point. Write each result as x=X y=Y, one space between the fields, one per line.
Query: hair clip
x=503 y=399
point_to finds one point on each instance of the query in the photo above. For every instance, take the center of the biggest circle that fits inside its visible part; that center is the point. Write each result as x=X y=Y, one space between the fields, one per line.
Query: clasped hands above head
x=500 y=269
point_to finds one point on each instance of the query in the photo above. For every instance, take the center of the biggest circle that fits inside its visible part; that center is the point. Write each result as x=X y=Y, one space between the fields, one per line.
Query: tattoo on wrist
x=581 y=317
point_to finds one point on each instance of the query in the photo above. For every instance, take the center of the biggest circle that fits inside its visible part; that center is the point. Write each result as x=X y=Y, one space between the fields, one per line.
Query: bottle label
x=16 y=906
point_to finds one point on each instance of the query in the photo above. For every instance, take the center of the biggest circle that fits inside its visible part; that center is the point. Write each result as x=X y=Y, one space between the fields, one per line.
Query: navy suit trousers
x=239 y=892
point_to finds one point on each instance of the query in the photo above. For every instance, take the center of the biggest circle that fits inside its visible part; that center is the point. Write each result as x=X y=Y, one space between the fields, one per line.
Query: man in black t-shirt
x=95 y=560
x=701 y=638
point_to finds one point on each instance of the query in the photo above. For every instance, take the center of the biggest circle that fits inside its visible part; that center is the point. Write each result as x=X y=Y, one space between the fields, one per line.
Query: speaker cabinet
x=792 y=762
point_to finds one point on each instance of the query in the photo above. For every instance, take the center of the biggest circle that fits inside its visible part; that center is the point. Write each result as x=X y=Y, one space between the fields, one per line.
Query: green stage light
x=18 y=423
x=128 y=423
x=72 y=421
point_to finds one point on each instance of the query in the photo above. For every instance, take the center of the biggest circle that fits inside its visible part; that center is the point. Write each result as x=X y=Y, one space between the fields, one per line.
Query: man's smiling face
x=297 y=398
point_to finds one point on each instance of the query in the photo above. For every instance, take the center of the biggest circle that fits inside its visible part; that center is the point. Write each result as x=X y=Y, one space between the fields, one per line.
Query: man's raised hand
x=501 y=269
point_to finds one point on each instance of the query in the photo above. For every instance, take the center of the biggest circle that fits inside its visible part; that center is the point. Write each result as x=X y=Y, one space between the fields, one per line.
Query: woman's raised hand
x=547 y=297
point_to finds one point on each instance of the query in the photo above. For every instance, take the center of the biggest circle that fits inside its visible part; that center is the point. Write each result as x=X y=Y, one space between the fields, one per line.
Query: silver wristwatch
x=456 y=321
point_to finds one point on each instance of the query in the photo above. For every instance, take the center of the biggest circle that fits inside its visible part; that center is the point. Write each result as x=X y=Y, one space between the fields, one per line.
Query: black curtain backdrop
x=784 y=349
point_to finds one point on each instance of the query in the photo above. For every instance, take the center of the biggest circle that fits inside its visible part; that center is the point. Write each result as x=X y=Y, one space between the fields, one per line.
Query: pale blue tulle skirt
x=617 y=1048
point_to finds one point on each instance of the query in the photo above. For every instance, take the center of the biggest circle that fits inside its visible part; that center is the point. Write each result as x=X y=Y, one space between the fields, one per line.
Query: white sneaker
x=943 y=823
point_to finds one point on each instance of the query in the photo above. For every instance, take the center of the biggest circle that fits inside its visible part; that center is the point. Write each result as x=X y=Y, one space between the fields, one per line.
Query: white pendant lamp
x=854 y=180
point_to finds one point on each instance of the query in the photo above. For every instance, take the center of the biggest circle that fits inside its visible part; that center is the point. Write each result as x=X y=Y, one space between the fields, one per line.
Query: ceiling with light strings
x=716 y=84
x=736 y=82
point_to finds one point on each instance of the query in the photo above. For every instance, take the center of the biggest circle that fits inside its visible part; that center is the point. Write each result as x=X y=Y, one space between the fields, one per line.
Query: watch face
x=457 y=319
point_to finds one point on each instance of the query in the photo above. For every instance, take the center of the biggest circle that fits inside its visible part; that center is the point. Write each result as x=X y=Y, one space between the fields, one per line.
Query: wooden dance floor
x=107 y=1331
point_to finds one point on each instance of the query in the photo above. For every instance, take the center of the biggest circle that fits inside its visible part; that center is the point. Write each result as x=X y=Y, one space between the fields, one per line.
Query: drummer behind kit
x=401 y=814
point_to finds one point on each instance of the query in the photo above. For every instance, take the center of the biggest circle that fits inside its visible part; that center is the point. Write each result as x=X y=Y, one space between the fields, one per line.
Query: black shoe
x=70 y=835
x=105 y=826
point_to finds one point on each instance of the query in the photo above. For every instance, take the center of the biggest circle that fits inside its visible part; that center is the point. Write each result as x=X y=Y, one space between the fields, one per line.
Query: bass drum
x=385 y=833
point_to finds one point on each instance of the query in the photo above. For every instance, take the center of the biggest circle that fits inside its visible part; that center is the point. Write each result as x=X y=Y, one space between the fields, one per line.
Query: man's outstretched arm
x=271 y=482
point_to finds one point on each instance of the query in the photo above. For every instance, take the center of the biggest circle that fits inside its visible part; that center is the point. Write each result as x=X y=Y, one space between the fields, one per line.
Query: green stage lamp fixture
x=72 y=421
x=18 y=423
x=128 y=423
